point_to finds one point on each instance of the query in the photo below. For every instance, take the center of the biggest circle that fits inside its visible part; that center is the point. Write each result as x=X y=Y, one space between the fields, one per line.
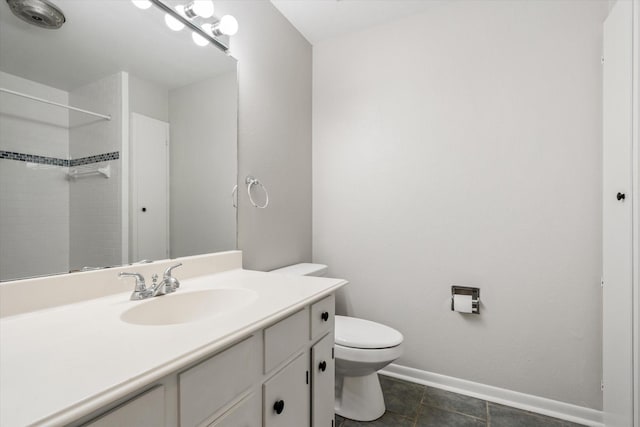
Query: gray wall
x=274 y=71
x=462 y=146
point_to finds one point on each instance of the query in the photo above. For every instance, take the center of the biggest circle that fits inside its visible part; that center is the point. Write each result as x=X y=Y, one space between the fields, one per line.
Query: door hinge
x=601 y=385
x=307 y=377
x=602 y=60
x=602 y=282
x=333 y=353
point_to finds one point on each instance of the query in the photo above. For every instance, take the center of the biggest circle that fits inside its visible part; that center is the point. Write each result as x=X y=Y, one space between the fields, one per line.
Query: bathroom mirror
x=145 y=171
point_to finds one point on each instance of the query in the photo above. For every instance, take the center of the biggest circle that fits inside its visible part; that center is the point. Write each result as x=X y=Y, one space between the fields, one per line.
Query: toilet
x=362 y=348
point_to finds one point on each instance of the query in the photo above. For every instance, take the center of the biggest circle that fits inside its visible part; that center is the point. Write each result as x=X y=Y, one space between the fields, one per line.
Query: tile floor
x=415 y=405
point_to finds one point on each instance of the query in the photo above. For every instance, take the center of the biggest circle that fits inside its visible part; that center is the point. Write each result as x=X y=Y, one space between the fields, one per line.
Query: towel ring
x=251 y=181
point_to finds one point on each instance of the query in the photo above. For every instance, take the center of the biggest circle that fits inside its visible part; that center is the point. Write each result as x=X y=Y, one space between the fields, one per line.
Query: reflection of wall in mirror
x=95 y=204
x=151 y=101
x=203 y=158
x=47 y=222
x=34 y=199
x=203 y=119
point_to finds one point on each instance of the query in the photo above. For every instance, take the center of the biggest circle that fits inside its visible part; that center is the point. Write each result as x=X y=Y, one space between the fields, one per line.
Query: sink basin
x=188 y=307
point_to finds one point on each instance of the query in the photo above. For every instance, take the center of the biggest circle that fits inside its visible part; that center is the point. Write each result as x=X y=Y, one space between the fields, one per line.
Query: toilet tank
x=303 y=269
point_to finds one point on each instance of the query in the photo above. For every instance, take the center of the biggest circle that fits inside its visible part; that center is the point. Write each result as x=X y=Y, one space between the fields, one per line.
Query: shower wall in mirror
x=149 y=177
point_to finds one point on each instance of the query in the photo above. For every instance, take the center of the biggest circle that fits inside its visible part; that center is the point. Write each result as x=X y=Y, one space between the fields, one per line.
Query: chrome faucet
x=140 y=291
x=168 y=284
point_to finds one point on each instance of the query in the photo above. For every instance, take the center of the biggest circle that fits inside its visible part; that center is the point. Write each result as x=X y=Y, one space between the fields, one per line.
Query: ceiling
x=318 y=20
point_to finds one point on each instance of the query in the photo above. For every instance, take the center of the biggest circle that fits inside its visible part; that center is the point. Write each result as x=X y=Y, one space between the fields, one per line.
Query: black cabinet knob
x=323 y=366
x=278 y=406
x=621 y=196
x=325 y=315
x=144 y=209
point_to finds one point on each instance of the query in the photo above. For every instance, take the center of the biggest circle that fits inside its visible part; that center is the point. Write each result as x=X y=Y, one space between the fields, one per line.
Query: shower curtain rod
x=46 y=101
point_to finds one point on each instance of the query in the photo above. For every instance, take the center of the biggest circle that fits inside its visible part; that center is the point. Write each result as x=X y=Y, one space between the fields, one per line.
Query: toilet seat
x=368 y=356
x=364 y=334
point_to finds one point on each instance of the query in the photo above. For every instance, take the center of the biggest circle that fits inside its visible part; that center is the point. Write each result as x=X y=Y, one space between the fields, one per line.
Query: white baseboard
x=526 y=402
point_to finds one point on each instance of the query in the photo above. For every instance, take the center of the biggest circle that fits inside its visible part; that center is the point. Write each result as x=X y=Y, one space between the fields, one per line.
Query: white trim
x=133 y=198
x=124 y=167
x=167 y=166
x=635 y=190
x=527 y=402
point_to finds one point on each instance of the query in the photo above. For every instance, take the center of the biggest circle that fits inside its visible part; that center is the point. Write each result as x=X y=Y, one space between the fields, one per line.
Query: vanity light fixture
x=173 y=23
x=191 y=16
x=201 y=8
x=142 y=4
x=228 y=26
x=198 y=39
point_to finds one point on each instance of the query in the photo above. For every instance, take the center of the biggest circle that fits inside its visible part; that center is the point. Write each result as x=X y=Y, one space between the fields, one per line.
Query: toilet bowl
x=362 y=347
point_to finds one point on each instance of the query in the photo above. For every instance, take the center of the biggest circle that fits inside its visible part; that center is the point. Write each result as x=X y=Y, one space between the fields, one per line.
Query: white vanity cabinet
x=279 y=376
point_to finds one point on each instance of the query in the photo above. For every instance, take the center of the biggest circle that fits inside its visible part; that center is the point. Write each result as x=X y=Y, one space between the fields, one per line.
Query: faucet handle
x=140 y=285
x=167 y=272
x=172 y=281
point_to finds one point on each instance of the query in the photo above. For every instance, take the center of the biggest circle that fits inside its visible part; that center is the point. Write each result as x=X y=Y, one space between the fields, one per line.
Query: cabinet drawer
x=284 y=338
x=322 y=316
x=286 y=396
x=207 y=387
x=246 y=413
x=145 y=410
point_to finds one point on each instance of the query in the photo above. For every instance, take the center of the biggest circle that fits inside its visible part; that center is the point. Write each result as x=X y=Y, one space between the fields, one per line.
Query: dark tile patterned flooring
x=414 y=405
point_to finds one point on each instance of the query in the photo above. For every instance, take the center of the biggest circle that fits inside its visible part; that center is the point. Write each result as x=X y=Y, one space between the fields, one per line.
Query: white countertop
x=61 y=363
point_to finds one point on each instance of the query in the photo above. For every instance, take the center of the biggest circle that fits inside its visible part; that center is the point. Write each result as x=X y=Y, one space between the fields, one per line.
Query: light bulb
x=208 y=28
x=172 y=22
x=198 y=39
x=142 y=4
x=202 y=8
x=228 y=25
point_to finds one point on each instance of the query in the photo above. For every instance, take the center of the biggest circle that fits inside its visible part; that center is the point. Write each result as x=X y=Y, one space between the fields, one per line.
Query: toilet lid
x=360 y=333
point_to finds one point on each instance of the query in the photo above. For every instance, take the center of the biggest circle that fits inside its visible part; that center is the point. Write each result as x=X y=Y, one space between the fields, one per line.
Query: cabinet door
x=286 y=396
x=142 y=411
x=245 y=413
x=207 y=387
x=322 y=382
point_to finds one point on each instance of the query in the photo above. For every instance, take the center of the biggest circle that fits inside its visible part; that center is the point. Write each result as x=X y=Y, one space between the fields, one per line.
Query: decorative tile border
x=95 y=159
x=31 y=158
x=21 y=157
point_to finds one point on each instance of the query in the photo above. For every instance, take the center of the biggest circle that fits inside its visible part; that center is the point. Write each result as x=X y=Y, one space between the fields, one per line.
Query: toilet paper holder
x=466 y=290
